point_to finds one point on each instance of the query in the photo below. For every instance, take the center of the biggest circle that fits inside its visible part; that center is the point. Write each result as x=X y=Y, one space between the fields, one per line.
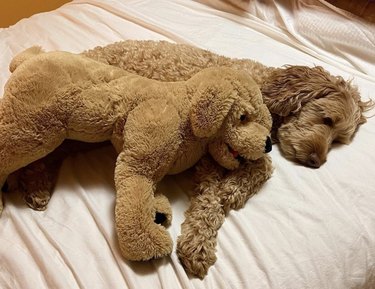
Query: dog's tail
x=24 y=55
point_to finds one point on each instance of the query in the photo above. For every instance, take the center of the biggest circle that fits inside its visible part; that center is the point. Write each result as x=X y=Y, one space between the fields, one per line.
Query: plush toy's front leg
x=140 y=238
x=218 y=192
x=151 y=140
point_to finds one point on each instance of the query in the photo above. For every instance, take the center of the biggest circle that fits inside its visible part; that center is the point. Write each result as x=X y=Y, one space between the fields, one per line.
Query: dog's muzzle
x=268 y=147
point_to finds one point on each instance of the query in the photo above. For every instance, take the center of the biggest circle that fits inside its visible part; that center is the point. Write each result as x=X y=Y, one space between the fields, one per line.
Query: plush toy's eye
x=243 y=117
x=328 y=121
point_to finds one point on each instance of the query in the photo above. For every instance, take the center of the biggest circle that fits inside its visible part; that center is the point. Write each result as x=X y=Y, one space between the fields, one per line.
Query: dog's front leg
x=239 y=185
x=217 y=192
x=196 y=245
x=151 y=140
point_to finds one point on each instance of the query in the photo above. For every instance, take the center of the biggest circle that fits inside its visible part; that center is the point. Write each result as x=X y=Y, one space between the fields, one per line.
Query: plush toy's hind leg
x=24 y=139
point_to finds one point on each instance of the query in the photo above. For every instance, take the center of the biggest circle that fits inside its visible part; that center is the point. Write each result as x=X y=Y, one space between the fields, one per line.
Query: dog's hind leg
x=37 y=180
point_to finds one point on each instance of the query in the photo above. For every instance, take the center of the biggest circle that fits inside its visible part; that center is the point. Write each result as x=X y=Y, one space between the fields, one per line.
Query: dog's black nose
x=313 y=161
x=268 y=145
x=5 y=187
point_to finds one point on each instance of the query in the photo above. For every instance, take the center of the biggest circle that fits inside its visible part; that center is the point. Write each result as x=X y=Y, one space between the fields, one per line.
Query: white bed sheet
x=305 y=229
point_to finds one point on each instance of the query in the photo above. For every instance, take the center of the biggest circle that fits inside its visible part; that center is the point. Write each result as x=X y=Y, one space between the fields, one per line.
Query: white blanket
x=305 y=229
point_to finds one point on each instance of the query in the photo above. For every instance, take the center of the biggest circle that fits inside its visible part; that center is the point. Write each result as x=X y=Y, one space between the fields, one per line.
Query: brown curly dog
x=311 y=108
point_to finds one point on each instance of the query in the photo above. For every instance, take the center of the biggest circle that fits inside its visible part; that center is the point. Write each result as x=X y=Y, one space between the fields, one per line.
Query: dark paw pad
x=160 y=218
x=35 y=202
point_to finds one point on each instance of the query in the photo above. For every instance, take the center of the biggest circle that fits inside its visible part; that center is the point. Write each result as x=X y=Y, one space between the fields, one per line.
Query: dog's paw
x=196 y=254
x=37 y=200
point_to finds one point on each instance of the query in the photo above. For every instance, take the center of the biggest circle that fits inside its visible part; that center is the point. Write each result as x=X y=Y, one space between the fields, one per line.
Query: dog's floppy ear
x=213 y=104
x=287 y=90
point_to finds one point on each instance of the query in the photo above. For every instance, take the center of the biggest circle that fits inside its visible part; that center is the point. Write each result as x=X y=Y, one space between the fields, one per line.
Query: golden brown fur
x=157 y=128
x=314 y=110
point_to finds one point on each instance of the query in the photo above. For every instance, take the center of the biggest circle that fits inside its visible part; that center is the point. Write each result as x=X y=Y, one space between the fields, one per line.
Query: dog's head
x=317 y=110
x=230 y=112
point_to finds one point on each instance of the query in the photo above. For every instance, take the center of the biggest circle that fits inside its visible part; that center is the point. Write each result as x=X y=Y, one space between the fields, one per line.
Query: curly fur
x=314 y=109
x=217 y=192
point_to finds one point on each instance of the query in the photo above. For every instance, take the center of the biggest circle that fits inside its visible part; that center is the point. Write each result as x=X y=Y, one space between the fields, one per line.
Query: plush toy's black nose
x=268 y=145
x=159 y=218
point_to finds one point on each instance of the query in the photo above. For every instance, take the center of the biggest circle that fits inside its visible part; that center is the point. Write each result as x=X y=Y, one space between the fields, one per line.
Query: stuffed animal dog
x=157 y=129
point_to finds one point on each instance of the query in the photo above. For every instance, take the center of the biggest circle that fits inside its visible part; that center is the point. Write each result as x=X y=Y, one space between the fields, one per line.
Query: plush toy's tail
x=24 y=55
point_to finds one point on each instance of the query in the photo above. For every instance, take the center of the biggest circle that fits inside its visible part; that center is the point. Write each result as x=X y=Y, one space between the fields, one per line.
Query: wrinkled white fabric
x=305 y=229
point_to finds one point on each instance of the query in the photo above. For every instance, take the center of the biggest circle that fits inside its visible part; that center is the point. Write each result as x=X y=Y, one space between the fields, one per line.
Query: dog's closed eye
x=328 y=121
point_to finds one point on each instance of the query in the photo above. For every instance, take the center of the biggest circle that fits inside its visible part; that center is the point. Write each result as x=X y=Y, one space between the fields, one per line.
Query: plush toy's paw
x=37 y=200
x=163 y=209
x=152 y=243
x=196 y=254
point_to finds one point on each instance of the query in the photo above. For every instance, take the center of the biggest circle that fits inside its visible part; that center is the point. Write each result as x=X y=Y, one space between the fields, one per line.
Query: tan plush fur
x=157 y=128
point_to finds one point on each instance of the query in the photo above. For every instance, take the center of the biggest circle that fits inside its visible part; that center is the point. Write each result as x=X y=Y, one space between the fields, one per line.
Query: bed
x=306 y=228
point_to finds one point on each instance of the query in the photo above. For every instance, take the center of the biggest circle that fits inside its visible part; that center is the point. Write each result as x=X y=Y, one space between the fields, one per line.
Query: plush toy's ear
x=287 y=90
x=209 y=112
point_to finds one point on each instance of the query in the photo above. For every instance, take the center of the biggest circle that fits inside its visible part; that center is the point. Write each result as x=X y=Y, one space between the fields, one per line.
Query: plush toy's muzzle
x=241 y=145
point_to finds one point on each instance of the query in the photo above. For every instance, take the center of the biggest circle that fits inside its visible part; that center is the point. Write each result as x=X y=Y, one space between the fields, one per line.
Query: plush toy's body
x=157 y=129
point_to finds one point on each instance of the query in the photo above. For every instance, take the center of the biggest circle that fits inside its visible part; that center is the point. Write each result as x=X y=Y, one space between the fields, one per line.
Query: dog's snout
x=313 y=160
x=268 y=147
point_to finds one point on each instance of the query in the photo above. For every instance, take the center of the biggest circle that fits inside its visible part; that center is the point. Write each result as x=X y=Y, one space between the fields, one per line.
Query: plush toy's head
x=232 y=114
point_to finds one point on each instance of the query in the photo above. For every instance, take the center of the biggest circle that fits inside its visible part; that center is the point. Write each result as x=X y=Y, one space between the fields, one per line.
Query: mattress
x=306 y=228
